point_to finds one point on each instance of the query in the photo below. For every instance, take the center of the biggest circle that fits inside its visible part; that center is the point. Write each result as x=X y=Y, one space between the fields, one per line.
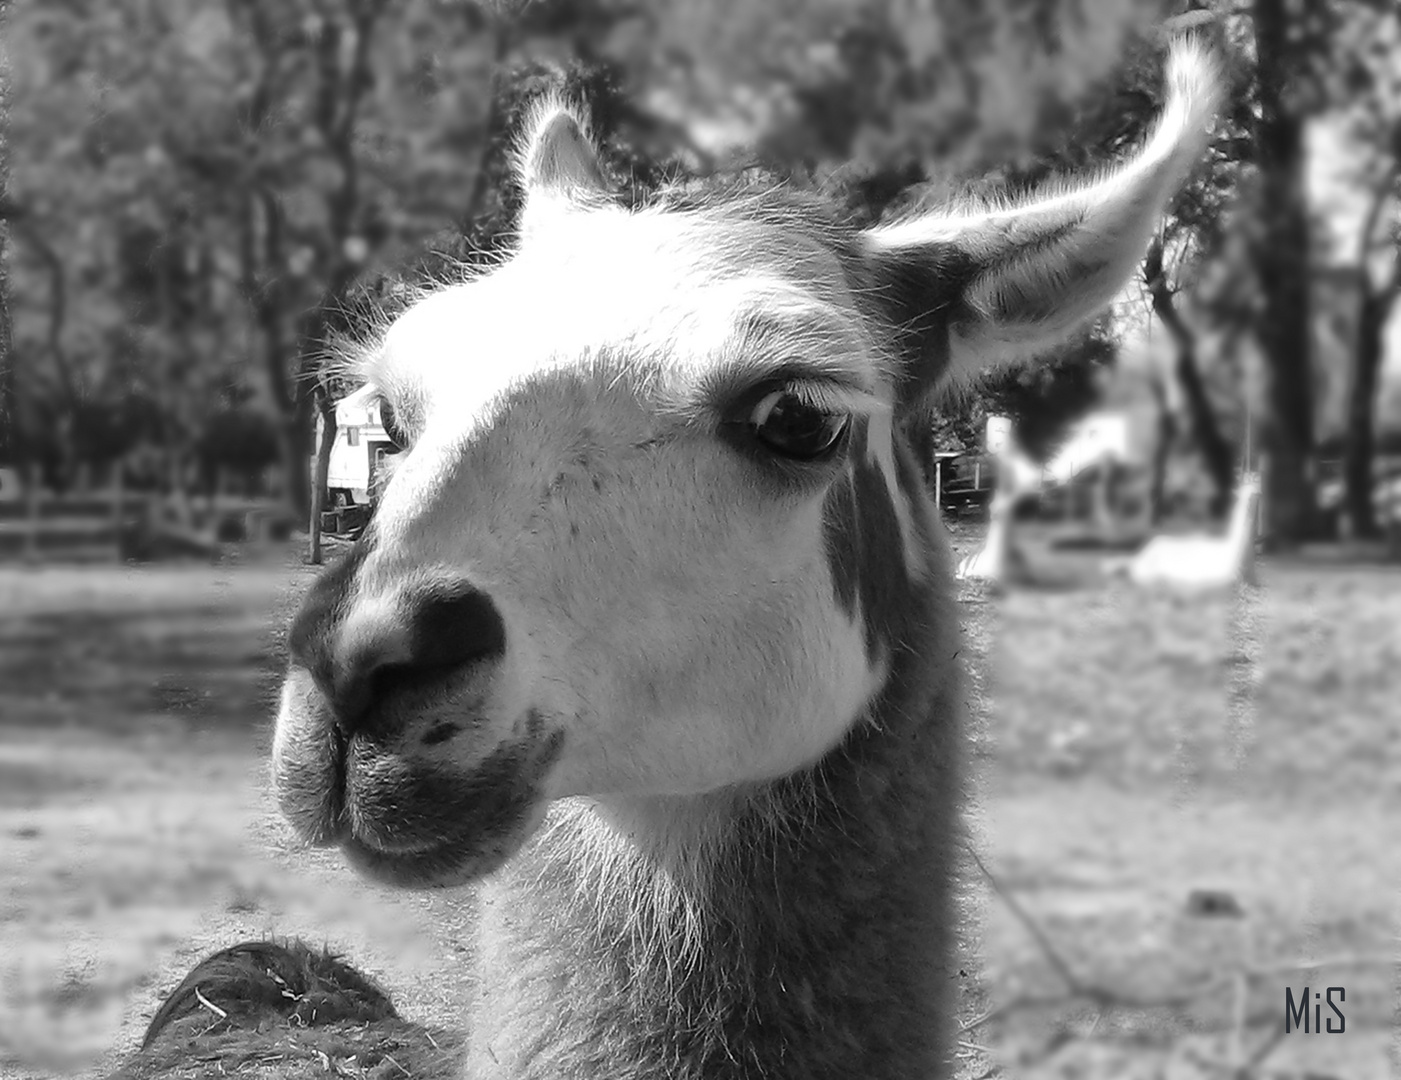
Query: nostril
x=446 y=626
x=454 y=623
x=361 y=656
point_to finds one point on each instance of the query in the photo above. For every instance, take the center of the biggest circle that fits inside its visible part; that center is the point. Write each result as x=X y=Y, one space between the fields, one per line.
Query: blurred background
x=199 y=198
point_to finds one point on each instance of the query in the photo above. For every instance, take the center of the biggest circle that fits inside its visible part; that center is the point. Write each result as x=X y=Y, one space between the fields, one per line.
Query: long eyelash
x=834 y=397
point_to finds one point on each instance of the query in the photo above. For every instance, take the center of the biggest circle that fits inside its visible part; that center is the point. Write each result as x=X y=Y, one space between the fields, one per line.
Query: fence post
x=118 y=517
x=32 y=513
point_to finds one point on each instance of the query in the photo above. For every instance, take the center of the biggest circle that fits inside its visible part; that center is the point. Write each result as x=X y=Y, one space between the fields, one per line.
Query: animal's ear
x=557 y=163
x=976 y=288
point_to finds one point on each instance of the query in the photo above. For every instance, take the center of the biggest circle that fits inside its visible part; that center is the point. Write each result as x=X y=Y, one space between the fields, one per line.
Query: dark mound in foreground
x=265 y=1009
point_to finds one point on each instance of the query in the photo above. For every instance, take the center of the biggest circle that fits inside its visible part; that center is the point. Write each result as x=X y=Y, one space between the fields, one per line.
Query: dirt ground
x=1179 y=807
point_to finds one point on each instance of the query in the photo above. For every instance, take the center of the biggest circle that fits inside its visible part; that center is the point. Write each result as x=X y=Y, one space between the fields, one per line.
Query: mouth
x=405 y=823
x=453 y=861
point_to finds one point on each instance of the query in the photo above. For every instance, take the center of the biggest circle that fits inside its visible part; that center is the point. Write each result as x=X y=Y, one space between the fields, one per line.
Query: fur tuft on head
x=555 y=151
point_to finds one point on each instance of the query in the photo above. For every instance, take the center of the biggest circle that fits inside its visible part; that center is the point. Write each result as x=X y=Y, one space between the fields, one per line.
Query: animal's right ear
x=557 y=165
x=977 y=287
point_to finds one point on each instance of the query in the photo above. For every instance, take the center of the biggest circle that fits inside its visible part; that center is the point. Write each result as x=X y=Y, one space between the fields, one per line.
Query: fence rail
x=112 y=524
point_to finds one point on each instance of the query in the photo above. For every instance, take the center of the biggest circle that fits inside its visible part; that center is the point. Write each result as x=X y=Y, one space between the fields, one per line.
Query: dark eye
x=786 y=424
x=389 y=420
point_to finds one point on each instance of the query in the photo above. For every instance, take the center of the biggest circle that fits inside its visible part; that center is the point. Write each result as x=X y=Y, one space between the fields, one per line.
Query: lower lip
x=446 y=864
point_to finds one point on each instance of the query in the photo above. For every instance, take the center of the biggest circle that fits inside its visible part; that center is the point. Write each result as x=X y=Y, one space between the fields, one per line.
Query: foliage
x=203 y=194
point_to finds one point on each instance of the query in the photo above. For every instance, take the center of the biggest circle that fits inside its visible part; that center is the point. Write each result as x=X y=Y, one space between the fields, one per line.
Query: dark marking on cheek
x=840 y=543
x=865 y=550
x=910 y=480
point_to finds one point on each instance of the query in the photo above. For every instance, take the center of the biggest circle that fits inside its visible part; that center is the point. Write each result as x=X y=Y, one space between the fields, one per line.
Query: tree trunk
x=1281 y=259
x=9 y=381
x=1206 y=432
x=1362 y=393
x=326 y=410
x=297 y=450
x=1162 y=451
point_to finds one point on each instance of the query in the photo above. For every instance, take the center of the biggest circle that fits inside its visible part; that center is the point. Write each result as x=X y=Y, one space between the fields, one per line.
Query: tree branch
x=1216 y=453
x=23 y=225
x=501 y=46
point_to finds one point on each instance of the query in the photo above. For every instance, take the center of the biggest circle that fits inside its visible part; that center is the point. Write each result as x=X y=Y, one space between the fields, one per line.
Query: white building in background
x=361 y=449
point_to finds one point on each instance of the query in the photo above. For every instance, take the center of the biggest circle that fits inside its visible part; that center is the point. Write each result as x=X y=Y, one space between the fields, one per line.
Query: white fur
x=1200 y=563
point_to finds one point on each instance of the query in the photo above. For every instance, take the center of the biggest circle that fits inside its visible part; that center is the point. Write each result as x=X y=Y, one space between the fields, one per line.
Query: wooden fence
x=112 y=524
x=37 y=525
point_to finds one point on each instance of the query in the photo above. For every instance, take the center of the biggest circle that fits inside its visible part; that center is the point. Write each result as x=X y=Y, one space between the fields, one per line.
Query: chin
x=413 y=824
x=456 y=861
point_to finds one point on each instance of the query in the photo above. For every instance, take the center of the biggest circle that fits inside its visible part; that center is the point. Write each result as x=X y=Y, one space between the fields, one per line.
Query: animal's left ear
x=557 y=164
x=990 y=287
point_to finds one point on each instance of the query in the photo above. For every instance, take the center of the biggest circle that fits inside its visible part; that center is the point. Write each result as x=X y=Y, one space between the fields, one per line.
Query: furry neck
x=797 y=930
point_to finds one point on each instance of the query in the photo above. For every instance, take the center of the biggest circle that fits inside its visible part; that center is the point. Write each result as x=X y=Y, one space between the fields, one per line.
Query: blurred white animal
x=999 y=559
x=1098 y=441
x=1202 y=562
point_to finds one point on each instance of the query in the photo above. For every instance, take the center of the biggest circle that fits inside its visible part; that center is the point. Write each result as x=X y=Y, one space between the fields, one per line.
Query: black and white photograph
x=700 y=539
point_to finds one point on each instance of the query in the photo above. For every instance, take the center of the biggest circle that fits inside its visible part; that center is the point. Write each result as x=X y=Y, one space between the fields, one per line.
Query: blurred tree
x=867 y=86
x=1288 y=36
x=9 y=447
x=331 y=156
x=9 y=407
x=1191 y=236
x=1217 y=454
x=87 y=196
x=1244 y=241
x=1366 y=90
x=214 y=178
x=1303 y=64
x=237 y=440
x=201 y=185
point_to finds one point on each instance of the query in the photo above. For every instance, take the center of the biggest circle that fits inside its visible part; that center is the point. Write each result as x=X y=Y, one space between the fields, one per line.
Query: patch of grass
x=131 y=651
x=1138 y=746
x=1128 y=748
